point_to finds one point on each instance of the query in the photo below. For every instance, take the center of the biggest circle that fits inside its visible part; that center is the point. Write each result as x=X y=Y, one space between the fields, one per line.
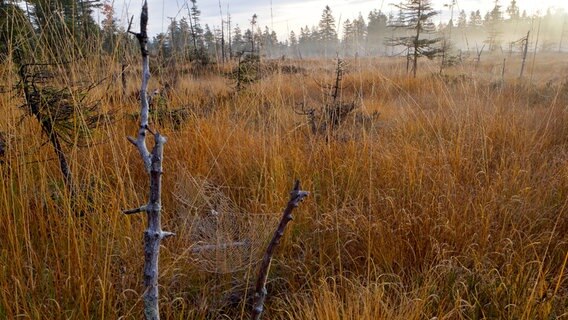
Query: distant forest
x=25 y=24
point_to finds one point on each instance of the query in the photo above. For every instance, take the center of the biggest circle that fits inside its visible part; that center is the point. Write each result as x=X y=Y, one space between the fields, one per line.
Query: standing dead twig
x=124 y=63
x=503 y=71
x=479 y=52
x=296 y=196
x=2 y=146
x=338 y=79
x=153 y=164
x=525 y=44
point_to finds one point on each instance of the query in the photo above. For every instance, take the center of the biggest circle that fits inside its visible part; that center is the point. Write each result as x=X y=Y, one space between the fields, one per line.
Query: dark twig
x=296 y=196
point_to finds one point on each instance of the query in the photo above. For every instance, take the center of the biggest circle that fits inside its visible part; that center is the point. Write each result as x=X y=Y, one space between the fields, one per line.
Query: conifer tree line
x=26 y=24
x=47 y=24
x=501 y=28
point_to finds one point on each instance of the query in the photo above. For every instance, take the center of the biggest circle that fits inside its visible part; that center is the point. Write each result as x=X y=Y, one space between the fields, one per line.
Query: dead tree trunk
x=479 y=52
x=338 y=78
x=503 y=71
x=123 y=62
x=123 y=78
x=193 y=34
x=222 y=34
x=408 y=60
x=229 y=33
x=2 y=146
x=525 y=43
x=153 y=164
x=296 y=196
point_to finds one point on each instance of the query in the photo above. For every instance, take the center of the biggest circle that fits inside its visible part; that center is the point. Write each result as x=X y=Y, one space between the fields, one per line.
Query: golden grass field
x=451 y=204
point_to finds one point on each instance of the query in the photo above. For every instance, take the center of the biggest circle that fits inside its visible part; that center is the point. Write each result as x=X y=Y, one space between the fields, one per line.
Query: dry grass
x=452 y=204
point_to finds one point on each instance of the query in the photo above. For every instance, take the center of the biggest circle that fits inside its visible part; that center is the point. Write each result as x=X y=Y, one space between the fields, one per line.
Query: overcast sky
x=290 y=15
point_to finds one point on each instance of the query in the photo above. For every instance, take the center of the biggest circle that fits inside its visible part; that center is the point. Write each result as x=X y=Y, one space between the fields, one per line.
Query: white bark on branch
x=153 y=165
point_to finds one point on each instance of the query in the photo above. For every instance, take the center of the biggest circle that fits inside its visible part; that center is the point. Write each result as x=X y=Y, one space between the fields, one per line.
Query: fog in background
x=497 y=27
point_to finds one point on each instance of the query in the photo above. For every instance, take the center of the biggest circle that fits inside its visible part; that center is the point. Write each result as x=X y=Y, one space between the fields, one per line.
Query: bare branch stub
x=129 y=24
x=137 y=210
x=296 y=196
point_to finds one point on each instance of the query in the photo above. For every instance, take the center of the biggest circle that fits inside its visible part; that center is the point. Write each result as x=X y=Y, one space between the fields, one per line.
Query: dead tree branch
x=525 y=44
x=338 y=79
x=296 y=196
x=153 y=165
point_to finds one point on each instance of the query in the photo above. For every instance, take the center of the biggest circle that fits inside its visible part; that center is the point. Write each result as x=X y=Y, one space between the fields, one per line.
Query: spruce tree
x=513 y=11
x=462 y=20
x=359 y=33
x=493 y=23
x=376 y=31
x=14 y=29
x=327 y=33
x=197 y=33
x=416 y=17
x=293 y=43
x=238 y=43
x=55 y=19
x=475 y=19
